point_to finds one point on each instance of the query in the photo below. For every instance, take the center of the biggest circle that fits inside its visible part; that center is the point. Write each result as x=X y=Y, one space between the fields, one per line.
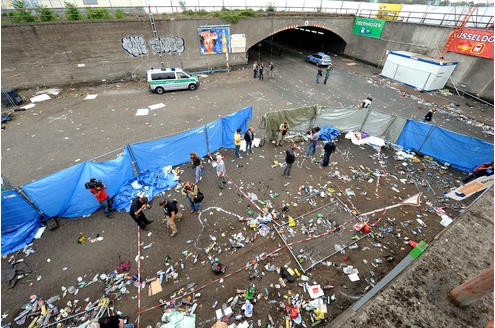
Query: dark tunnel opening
x=305 y=39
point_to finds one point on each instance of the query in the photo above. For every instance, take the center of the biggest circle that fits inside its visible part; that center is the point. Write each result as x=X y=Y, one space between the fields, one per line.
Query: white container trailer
x=418 y=71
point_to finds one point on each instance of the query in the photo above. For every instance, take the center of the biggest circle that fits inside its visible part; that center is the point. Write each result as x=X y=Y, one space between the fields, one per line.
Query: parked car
x=171 y=78
x=319 y=58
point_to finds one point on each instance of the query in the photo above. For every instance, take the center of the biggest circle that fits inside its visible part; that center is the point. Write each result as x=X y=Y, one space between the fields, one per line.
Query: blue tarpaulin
x=20 y=222
x=172 y=150
x=328 y=133
x=63 y=194
x=150 y=184
x=233 y=122
x=462 y=152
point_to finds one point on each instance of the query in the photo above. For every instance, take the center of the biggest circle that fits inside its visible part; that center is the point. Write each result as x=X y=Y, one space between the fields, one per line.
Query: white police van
x=171 y=78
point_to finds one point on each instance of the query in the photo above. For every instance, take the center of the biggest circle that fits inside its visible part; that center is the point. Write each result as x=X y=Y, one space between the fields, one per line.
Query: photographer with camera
x=195 y=196
x=97 y=188
x=136 y=211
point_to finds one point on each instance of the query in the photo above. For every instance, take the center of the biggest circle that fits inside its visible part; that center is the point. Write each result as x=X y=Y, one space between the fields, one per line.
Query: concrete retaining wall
x=51 y=54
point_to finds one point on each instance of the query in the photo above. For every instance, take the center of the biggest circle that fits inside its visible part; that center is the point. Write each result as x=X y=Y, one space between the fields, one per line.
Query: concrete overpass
x=48 y=54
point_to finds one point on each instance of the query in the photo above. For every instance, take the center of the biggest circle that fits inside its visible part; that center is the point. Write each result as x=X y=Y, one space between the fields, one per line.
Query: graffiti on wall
x=134 y=45
x=168 y=44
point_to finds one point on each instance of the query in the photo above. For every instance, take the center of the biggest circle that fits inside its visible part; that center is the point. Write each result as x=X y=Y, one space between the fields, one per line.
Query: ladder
x=457 y=30
x=155 y=35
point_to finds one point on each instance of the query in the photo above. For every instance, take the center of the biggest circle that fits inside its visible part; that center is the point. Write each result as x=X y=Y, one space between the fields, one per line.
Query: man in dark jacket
x=136 y=211
x=248 y=137
x=329 y=148
x=290 y=158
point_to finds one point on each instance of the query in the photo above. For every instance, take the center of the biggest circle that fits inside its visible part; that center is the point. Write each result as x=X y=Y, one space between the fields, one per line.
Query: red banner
x=472 y=42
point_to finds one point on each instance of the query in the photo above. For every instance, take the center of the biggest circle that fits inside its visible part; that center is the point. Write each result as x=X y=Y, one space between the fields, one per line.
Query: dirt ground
x=349 y=185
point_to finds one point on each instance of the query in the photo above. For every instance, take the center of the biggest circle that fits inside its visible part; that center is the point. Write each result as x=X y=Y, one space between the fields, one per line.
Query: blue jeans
x=194 y=206
x=311 y=146
x=249 y=147
x=199 y=173
x=106 y=206
x=237 y=148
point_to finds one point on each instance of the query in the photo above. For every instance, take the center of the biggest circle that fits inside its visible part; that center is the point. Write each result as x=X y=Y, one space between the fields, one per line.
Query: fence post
x=426 y=137
x=473 y=289
x=26 y=197
x=365 y=119
x=207 y=139
x=135 y=165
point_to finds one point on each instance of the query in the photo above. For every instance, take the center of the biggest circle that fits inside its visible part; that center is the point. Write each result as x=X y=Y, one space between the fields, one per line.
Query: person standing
x=260 y=67
x=198 y=166
x=484 y=169
x=282 y=132
x=221 y=172
x=237 y=142
x=319 y=73
x=248 y=137
x=255 y=69
x=170 y=210
x=290 y=158
x=271 y=68
x=329 y=148
x=136 y=212
x=98 y=189
x=428 y=117
x=191 y=191
x=327 y=74
x=366 y=102
x=314 y=136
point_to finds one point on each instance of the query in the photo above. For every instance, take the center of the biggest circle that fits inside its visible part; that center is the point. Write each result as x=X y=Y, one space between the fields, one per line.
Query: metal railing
x=440 y=16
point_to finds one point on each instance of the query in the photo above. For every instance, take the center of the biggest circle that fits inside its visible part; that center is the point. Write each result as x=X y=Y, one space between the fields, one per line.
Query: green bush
x=247 y=13
x=72 y=12
x=45 y=14
x=97 y=13
x=119 y=14
x=21 y=14
x=270 y=8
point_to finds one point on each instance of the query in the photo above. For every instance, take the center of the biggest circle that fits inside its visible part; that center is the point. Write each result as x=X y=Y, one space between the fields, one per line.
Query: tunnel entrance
x=305 y=39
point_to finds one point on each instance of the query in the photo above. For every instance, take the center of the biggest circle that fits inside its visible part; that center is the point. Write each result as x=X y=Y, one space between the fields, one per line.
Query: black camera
x=94 y=184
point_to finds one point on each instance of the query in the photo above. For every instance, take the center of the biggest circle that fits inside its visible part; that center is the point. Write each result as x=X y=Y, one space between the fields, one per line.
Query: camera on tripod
x=94 y=184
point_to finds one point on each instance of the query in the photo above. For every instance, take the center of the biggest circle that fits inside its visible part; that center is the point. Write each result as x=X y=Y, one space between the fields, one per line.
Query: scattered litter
x=156 y=106
x=39 y=98
x=90 y=97
x=142 y=112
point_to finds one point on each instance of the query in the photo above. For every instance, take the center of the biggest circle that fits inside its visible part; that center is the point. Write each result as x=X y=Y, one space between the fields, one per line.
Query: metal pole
x=326 y=257
x=426 y=138
x=291 y=252
x=305 y=214
x=365 y=119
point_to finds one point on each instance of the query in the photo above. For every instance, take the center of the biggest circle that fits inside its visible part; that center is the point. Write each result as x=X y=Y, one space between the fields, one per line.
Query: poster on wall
x=371 y=28
x=472 y=42
x=214 y=39
x=238 y=43
x=388 y=11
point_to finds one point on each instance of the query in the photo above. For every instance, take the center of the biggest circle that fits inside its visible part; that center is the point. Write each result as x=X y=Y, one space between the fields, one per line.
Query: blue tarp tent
x=233 y=122
x=172 y=150
x=63 y=194
x=20 y=222
x=151 y=182
x=462 y=152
